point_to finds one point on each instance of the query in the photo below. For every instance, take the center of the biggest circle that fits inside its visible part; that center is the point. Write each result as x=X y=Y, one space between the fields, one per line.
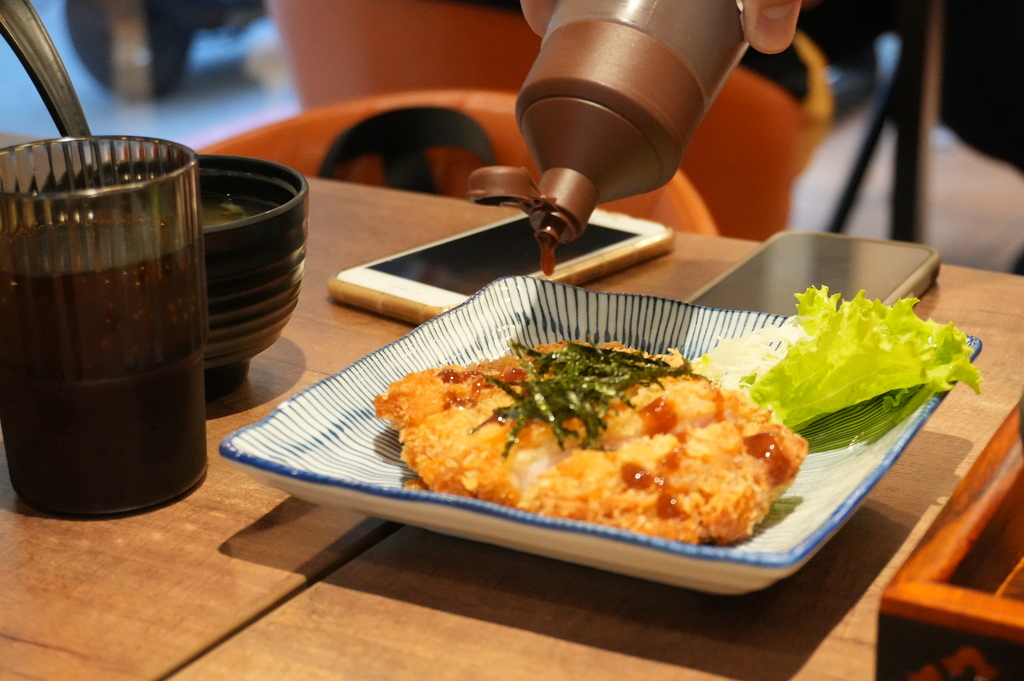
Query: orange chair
x=743 y=160
x=746 y=156
x=343 y=49
x=302 y=142
x=753 y=145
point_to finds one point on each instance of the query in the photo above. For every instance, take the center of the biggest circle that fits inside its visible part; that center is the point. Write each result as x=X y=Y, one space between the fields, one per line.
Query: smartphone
x=790 y=262
x=420 y=283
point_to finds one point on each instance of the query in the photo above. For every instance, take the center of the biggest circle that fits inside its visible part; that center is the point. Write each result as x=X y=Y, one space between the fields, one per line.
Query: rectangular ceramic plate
x=325 y=444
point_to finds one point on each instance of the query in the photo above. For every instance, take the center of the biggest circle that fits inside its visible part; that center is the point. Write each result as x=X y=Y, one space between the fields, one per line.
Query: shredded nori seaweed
x=577 y=381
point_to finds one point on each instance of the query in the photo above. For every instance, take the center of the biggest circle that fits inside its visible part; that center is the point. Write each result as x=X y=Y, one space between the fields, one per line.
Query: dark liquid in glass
x=101 y=387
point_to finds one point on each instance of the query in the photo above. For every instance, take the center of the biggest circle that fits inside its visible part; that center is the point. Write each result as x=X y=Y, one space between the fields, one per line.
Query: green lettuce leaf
x=856 y=350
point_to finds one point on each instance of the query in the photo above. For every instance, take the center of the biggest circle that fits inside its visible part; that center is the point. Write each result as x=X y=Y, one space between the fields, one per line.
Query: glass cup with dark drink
x=103 y=323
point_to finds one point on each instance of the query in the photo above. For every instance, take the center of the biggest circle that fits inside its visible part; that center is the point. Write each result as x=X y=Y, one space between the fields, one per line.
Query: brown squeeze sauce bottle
x=610 y=106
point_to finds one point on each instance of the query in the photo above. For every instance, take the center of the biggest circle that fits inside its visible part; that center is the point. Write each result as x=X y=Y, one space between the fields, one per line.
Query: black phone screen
x=790 y=264
x=467 y=264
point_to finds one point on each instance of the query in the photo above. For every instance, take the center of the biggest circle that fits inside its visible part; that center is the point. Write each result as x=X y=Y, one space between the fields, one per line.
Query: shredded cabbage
x=735 y=362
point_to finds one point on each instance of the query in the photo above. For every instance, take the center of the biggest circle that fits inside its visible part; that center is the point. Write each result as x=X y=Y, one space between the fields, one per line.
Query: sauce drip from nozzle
x=549 y=234
x=553 y=221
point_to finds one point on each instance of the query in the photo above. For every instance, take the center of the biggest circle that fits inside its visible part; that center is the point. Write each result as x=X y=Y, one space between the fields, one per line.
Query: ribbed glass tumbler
x=103 y=323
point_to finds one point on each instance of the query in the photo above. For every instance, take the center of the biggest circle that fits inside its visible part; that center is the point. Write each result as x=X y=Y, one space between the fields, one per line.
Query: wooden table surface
x=241 y=581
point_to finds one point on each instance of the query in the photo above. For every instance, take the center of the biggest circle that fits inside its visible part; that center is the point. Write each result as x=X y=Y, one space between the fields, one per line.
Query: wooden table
x=241 y=581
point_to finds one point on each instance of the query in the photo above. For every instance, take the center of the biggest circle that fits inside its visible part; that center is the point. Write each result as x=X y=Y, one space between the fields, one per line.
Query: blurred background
x=221 y=67
x=228 y=74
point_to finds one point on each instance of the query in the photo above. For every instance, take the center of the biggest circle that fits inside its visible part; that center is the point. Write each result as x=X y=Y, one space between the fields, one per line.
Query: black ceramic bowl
x=254 y=225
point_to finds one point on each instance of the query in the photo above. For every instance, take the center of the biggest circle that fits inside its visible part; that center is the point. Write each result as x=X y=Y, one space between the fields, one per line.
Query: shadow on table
x=306 y=539
x=261 y=385
x=763 y=636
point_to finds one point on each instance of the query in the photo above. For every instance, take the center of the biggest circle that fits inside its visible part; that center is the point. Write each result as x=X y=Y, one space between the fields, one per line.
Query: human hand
x=768 y=25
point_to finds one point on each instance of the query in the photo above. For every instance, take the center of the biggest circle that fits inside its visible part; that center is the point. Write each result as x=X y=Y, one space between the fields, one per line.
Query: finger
x=769 y=25
x=538 y=14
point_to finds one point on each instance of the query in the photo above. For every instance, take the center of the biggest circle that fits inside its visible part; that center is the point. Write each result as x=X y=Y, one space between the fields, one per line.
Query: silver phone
x=422 y=282
x=790 y=262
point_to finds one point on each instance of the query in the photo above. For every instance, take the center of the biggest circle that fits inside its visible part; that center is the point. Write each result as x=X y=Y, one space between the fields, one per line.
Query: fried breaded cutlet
x=675 y=457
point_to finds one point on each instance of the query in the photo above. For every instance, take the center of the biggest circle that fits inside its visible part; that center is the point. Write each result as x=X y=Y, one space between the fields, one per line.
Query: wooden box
x=955 y=610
